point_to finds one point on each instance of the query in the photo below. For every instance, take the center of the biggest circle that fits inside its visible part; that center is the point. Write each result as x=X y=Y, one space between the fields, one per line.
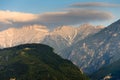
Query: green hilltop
x=36 y=62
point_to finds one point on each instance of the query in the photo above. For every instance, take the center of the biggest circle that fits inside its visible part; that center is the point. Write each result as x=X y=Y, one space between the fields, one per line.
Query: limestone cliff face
x=97 y=50
x=26 y=34
x=59 y=38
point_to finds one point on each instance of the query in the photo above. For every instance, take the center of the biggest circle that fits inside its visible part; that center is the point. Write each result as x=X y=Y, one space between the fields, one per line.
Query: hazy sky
x=58 y=12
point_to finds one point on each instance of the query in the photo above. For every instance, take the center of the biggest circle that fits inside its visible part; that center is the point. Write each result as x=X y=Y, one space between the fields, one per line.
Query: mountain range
x=89 y=47
x=61 y=36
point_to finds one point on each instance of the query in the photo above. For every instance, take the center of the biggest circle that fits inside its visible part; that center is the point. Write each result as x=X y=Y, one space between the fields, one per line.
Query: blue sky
x=39 y=6
x=42 y=6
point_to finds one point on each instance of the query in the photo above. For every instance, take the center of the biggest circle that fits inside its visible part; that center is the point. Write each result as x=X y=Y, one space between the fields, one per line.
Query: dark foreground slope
x=112 y=70
x=36 y=62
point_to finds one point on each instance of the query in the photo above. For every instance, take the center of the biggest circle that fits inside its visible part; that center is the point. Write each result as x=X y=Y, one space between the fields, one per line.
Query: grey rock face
x=97 y=50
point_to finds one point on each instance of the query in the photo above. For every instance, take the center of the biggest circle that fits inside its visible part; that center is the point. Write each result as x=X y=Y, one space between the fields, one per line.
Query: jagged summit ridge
x=65 y=36
x=37 y=34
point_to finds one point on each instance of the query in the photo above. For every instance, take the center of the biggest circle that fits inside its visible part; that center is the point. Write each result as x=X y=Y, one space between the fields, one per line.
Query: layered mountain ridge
x=87 y=46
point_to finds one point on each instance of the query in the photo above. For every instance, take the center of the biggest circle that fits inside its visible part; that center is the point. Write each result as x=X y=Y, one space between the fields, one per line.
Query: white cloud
x=8 y=17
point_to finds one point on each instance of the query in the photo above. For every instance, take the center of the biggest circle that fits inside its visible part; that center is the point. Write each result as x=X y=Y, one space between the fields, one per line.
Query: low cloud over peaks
x=68 y=17
x=94 y=4
x=8 y=17
x=75 y=16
